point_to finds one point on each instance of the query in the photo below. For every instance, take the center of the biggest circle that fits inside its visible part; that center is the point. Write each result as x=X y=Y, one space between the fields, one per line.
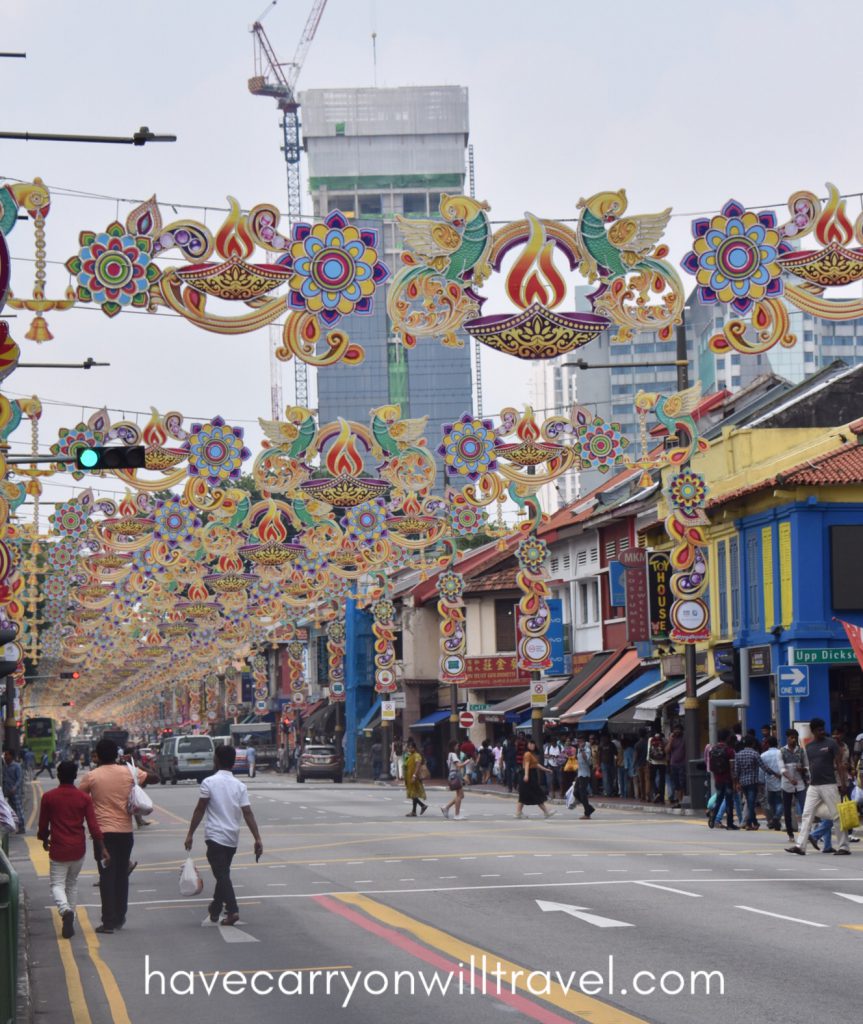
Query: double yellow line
x=77 y=998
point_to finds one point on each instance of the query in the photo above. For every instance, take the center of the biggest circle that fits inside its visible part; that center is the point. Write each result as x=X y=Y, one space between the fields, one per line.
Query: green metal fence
x=8 y=939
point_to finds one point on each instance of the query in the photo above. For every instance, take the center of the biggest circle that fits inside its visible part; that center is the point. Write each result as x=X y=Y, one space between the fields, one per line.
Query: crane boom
x=279 y=81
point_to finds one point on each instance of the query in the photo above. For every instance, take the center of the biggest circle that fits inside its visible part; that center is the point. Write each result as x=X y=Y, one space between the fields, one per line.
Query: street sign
x=478 y=707
x=388 y=711
x=824 y=656
x=398 y=700
x=760 y=661
x=466 y=719
x=538 y=696
x=793 y=681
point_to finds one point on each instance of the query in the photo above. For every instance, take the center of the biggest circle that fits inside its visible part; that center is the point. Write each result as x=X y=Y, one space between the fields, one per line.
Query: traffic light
x=117 y=457
x=70 y=675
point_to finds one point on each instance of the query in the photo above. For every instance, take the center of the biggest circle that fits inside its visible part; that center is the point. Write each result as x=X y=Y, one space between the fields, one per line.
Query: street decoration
x=747 y=260
x=686 y=494
x=453 y=638
x=435 y=294
x=336 y=657
x=534 y=618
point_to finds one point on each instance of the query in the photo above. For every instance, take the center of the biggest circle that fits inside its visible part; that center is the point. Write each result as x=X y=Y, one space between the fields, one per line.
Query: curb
x=24 y=994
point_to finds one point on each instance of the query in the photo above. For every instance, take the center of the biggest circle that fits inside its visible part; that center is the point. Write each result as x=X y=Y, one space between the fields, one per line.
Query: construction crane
x=279 y=81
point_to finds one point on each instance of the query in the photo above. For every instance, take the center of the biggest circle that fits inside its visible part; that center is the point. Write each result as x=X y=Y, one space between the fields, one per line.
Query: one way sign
x=794 y=681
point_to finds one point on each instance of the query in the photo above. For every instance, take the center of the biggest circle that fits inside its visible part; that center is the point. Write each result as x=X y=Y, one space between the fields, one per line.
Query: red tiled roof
x=839 y=467
x=473 y=563
x=504 y=579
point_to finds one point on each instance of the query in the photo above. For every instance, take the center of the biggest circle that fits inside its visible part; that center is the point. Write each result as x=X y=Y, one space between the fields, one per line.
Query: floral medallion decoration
x=335 y=268
x=465 y=520
x=468 y=447
x=176 y=522
x=602 y=444
x=216 y=452
x=70 y=519
x=735 y=258
x=366 y=522
x=687 y=490
x=113 y=269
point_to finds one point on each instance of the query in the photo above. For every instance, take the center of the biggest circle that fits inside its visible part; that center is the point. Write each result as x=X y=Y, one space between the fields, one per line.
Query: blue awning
x=430 y=721
x=373 y=712
x=598 y=717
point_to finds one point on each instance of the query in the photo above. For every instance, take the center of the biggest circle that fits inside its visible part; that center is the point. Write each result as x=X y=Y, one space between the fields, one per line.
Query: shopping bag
x=8 y=821
x=857 y=794
x=570 y=797
x=191 y=882
x=848 y=815
x=711 y=803
x=138 y=802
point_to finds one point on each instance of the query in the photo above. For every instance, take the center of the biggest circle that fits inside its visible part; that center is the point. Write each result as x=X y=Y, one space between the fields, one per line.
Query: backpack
x=485 y=757
x=719 y=762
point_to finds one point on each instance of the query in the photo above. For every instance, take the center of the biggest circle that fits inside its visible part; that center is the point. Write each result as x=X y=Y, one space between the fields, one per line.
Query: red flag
x=855 y=637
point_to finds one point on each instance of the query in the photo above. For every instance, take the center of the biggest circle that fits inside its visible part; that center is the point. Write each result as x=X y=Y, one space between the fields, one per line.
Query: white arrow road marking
x=783 y=917
x=234 y=934
x=849 y=896
x=667 y=888
x=594 y=919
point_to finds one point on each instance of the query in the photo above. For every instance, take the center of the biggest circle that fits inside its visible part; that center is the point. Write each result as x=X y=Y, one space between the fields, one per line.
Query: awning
x=581 y=682
x=430 y=721
x=373 y=712
x=315 y=717
x=628 y=664
x=649 y=709
x=636 y=688
x=522 y=700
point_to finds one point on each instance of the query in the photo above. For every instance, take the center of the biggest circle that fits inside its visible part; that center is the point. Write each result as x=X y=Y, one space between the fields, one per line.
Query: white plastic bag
x=8 y=821
x=570 y=797
x=138 y=802
x=857 y=794
x=191 y=882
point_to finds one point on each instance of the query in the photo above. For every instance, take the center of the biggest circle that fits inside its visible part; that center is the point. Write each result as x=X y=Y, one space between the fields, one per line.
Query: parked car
x=320 y=761
x=185 y=757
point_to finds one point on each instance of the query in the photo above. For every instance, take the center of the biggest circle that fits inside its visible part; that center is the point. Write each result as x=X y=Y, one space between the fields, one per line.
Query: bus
x=40 y=735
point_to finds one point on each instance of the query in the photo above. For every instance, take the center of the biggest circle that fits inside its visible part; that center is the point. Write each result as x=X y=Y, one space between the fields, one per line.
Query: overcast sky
x=684 y=103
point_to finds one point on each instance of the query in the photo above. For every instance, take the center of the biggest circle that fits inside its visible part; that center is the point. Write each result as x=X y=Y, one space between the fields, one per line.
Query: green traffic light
x=88 y=458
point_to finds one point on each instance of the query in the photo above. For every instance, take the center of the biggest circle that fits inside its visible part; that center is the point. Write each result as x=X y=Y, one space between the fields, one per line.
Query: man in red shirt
x=61 y=829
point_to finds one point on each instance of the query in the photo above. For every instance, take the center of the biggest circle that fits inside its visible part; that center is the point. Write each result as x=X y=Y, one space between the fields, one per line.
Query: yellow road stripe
x=853 y=927
x=116 y=1003
x=586 y=1007
x=34 y=810
x=38 y=856
x=77 y=1001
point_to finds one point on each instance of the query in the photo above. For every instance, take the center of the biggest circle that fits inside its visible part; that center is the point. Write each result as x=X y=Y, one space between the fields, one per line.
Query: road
x=351 y=894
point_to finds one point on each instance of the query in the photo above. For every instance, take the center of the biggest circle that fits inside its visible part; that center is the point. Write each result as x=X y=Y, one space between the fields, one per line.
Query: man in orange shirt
x=109 y=784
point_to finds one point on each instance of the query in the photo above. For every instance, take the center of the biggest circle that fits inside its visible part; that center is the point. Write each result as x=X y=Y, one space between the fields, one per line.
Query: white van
x=185 y=757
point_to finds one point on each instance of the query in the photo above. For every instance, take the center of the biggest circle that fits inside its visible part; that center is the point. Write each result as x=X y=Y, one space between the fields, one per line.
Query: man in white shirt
x=224 y=800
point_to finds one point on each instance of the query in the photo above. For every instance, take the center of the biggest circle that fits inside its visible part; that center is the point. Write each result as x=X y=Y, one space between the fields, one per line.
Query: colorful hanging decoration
x=434 y=294
x=533 y=616
x=745 y=259
x=336 y=658
x=686 y=493
x=383 y=628
x=453 y=639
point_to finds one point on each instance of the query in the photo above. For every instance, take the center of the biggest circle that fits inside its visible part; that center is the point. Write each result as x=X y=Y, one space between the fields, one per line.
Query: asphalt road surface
x=358 y=913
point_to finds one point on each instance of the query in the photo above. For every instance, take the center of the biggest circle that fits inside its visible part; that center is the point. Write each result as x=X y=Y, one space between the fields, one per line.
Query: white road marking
x=579 y=912
x=429 y=860
x=234 y=934
x=362 y=881
x=489 y=876
x=447 y=877
x=710 y=869
x=271 y=885
x=467 y=858
x=659 y=871
x=849 y=896
x=528 y=874
x=575 y=871
x=505 y=856
x=407 y=879
x=146 y=890
x=783 y=917
x=392 y=862
x=667 y=888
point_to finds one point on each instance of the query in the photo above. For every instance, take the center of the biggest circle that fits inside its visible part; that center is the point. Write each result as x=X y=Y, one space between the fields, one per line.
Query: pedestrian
x=621 y=767
x=497 y=753
x=826 y=767
x=224 y=800
x=28 y=759
x=377 y=758
x=608 y=764
x=675 y=751
x=13 y=787
x=468 y=749
x=485 y=761
x=46 y=764
x=657 y=760
x=569 y=772
x=413 y=783
x=110 y=784
x=764 y=742
x=62 y=814
x=455 y=781
x=795 y=778
x=529 y=791
x=642 y=769
x=508 y=757
x=747 y=763
x=720 y=762
x=582 y=780
x=773 y=785
x=555 y=760
x=631 y=774
x=823 y=830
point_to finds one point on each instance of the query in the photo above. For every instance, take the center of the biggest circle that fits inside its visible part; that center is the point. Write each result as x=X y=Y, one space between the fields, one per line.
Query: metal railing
x=9 y=907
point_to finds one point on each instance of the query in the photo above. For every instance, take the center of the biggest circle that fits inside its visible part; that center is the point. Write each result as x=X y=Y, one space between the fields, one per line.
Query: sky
x=684 y=103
